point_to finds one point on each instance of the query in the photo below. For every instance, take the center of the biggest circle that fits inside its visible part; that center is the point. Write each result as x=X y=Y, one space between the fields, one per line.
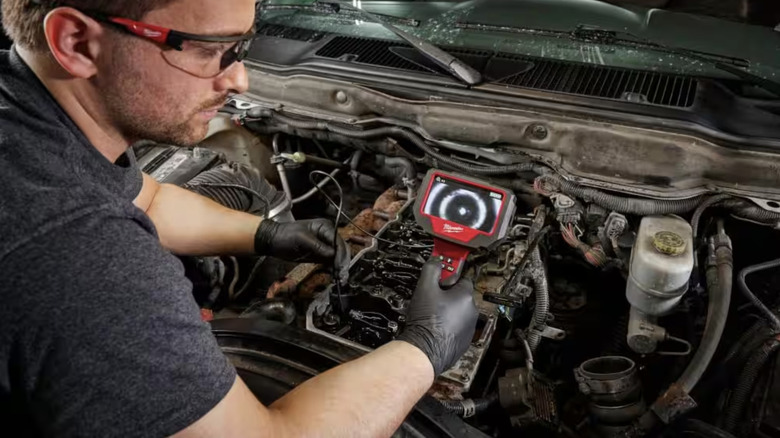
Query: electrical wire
x=340 y=213
x=339 y=207
x=773 y=320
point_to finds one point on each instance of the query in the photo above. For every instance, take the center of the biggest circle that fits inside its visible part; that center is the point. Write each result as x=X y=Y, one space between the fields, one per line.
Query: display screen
x=464 y=204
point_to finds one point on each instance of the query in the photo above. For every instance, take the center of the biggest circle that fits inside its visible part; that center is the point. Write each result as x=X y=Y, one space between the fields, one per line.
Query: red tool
x=462 y=214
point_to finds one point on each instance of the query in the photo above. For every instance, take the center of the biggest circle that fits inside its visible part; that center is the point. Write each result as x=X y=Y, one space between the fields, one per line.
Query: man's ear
x=74 y=40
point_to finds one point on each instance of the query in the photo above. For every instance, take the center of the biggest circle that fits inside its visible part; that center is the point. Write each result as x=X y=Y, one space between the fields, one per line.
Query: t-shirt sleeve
x=107 y=340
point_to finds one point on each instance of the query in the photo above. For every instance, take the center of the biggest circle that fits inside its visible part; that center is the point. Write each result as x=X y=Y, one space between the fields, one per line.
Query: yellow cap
x=669 y=243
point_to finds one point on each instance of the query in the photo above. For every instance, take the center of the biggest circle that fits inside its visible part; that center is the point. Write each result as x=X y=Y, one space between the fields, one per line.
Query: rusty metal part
x=673 y=403
x=465 y=369
x=527 y=398
x=313 y=284
x=359 y=240
x=382 y=215
x=293 y=278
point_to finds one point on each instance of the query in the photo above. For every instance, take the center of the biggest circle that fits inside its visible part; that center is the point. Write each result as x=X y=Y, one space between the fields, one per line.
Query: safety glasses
x=205 y=56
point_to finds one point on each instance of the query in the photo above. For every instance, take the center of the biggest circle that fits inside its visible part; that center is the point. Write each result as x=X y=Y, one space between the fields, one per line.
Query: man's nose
x=234 y=79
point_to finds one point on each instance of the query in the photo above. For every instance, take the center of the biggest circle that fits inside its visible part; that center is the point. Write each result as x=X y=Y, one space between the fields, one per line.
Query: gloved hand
x=440 y=322
x=302 y=241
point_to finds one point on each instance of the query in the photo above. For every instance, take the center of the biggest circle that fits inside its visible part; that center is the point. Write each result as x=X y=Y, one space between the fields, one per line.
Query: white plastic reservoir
x=661 y=264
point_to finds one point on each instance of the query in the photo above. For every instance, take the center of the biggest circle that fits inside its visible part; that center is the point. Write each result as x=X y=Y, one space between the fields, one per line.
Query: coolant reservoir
x=661 y=264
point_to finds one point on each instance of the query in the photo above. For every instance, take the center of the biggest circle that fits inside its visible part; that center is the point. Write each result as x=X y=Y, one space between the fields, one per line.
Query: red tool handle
x=453 y=258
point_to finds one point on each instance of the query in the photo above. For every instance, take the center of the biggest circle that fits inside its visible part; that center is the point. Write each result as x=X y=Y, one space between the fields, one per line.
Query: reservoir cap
x=669 y=243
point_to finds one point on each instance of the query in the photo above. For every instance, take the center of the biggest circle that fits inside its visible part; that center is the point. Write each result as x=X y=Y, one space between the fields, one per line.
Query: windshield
x=547 y=29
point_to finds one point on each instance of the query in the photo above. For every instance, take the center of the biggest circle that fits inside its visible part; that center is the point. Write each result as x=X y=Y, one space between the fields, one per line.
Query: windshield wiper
x=596 y=35
x=453 y=65
x=731 y=65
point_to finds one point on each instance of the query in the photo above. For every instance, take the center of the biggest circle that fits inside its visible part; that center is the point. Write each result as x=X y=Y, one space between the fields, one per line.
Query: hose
x=707 y=203
x=539 y=278
x=280 y=169
x=754 y=333
x=399 y=168
x=719 y=285
x=236 y=186
x=747 y=380
x=469 y=407
x=773 y=320
x=620 y=204
x=314 y=190
x=274 y=309
x=541 y=290
x=705 y=430
x=746 y=209
x=394 y=131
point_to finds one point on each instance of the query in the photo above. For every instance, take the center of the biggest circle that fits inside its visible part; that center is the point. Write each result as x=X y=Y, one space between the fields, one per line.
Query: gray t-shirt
x=99 y=333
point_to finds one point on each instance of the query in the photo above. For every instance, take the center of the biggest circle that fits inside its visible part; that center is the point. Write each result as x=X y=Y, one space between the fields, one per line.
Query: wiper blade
x=453 y=65
x=457 y=67
x=334 y=8
x=727 y=64
x=596 y=35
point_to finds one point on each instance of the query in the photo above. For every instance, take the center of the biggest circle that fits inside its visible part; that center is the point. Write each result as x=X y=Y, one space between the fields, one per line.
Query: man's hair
x=23 y=19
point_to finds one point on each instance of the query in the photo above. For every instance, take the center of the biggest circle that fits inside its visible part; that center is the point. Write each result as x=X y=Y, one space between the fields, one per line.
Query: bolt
x=539 y=132
x=465 y=377
x=330 y=319
x=397 y=300
x=393 y=326
x=341 y=97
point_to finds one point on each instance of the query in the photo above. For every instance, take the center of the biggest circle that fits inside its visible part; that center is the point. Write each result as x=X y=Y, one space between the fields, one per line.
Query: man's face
x=145 y=97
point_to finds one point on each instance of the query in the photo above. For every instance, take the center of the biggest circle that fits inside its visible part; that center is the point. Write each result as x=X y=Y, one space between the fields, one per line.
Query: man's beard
x=130 y=114
x=137 y=112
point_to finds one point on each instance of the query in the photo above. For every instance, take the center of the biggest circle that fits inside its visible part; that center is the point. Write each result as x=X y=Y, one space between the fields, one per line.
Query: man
x=99 y=334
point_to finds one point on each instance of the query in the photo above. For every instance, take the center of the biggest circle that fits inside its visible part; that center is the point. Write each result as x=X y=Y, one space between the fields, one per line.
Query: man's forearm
x=191 y=224
x=368 y=397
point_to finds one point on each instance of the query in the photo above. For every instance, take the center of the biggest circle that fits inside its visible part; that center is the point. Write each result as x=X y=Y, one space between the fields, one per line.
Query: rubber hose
x=541 y=291
x=747 y=380
x=480 y=404
x=719 y=285
x=236 y=199
x=399 y=168
x=751 y=335
x=705 y=429
x=773 y=320
x=707 y=203
x=621 y=204
x=274 y=309
x=748 y=210
x=394 y=131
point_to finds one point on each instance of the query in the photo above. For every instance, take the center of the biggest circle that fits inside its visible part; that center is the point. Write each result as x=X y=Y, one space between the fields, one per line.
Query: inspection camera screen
x=464 y=204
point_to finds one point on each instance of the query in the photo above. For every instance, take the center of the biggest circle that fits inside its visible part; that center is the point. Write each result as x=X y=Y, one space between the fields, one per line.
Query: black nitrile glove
x=440 y=322
x=302 y=241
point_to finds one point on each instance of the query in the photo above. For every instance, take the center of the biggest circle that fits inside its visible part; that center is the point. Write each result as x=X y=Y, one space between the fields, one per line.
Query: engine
x=601 y=314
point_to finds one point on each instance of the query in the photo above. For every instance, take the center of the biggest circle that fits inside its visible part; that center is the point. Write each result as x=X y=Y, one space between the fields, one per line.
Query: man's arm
x=367 y=397
x=191 y=224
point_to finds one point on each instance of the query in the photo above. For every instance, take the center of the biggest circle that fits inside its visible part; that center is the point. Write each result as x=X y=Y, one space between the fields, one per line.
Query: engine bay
x=603 y=312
